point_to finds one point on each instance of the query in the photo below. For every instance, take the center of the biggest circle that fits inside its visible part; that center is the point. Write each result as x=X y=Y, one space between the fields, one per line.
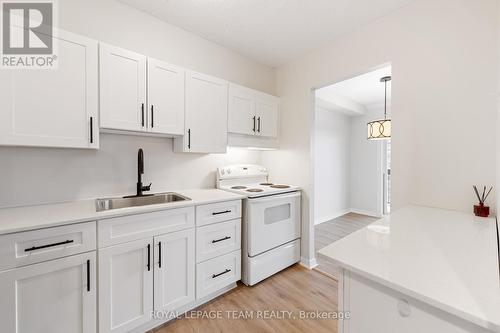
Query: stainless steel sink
x=153 y=199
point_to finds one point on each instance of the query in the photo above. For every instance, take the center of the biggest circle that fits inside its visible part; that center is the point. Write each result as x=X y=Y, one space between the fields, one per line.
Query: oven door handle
x=276 y=197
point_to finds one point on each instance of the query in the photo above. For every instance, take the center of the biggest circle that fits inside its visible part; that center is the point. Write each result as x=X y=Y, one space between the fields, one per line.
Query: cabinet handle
x=142 y=114
x=159 y=254
x=152 y=117
x=220 y=239
x=48 y=245
x=258 y=128
x=224 y=212
x=91 y=130
x=221 y=273
x=149 y=257
x=88 y=275
x=253 y=129
x=189 y=138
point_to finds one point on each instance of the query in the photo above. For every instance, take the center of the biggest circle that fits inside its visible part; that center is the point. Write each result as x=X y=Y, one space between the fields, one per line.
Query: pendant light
x=381 y=129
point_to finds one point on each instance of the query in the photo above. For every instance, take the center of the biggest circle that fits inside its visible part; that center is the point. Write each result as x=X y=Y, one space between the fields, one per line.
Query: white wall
x=366 y=168
x=332 y=164
x=347 y=167
x=36 y=175
x=118 y=24
x=444 y=69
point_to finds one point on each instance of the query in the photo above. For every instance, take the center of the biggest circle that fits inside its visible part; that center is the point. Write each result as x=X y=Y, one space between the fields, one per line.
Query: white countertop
x=444 y=258
x=49 y=215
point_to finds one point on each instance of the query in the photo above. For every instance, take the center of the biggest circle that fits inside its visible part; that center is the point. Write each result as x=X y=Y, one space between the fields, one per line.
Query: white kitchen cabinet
x=241 y=114
x=122 y=78
x=56 y=296
x=53 y=107
x=252 y=112
x=140 y=94
x=205 y=115
x=165 y=98
x=174 y=271
x=125 y=286
x=267 y=112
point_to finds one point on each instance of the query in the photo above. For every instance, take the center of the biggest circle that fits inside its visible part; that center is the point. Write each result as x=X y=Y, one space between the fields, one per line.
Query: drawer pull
x=224 y=212
x=221 y=239
x=159 y=254
x=88 y=275
x=222 y=273
x=48 y=245
x=149 y=257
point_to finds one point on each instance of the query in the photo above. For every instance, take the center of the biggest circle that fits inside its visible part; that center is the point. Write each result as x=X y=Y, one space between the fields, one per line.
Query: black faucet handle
x=147 y=188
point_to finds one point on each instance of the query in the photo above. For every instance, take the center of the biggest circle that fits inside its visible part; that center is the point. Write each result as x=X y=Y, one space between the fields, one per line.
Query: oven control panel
x=241 y=171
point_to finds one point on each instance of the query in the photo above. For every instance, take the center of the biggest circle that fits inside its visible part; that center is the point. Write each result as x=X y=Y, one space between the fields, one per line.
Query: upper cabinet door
x=165 y=98
x=206 y=114
x=56 y=296
x=241 y=112
x=53 y=107
x=123 y=89
x=267 y=111
x=174 y=279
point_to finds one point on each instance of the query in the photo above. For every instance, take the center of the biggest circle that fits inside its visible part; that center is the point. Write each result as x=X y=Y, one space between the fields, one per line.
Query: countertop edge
x=97 y=216
x=444 y=307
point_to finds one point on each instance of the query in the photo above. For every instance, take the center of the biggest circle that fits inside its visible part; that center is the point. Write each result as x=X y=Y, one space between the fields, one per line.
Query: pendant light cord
x=385 y=100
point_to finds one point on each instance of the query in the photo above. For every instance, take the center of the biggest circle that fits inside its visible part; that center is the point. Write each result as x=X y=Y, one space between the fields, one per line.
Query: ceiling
x=359 y=94
x=271 y=32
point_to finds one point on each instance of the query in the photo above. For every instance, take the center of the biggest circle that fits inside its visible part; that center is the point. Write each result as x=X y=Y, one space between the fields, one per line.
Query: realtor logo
x=28 y=34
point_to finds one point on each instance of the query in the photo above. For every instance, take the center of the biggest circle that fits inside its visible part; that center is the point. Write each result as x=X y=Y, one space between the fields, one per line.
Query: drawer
x=218 y=212
x=217 y=239
x=215 y=274
x=29 y=247
x=133 y=227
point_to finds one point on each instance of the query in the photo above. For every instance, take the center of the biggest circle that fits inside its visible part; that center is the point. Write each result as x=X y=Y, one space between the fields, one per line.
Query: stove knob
x=228 y=170
x=222 y=172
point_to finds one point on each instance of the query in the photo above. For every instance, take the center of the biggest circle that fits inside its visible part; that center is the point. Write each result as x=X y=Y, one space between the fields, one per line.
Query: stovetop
x=249 y=180
x=255 y=190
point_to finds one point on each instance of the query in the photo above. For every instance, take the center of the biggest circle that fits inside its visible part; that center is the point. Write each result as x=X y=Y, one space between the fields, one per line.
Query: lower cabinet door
x=174 y=270
x=125 y=285
x=56 y=296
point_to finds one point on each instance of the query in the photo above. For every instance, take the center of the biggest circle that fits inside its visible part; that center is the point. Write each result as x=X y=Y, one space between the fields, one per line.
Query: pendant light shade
x=381 y=129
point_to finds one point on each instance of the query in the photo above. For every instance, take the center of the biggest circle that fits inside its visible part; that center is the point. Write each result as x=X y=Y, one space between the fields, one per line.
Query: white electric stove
x=271 y=220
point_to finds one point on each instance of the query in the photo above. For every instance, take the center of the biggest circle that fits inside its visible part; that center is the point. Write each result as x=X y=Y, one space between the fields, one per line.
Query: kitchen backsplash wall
x=40 y=175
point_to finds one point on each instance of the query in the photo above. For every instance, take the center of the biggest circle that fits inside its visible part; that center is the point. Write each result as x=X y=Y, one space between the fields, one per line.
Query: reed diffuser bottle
x=480 y=209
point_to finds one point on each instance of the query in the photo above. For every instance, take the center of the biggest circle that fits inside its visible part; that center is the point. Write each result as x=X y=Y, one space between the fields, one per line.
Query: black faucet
x=140 y=172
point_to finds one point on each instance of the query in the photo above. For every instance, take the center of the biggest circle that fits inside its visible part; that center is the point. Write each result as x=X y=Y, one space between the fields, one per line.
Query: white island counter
x=420 y=270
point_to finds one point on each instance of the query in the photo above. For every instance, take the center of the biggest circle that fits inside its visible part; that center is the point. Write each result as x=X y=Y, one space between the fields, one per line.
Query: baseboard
x=308 y=263
x=332 y=216
x=364 y=212
x=346 y=211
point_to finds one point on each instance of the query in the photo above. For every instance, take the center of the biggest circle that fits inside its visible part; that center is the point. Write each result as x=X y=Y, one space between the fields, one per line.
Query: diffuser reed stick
x=482 y=198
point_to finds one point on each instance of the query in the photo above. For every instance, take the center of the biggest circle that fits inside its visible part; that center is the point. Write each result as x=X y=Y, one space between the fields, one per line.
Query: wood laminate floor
x=295 y=289
x=333 y=230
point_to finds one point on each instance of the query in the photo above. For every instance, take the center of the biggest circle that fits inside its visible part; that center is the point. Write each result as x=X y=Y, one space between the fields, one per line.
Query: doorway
x=352 y=180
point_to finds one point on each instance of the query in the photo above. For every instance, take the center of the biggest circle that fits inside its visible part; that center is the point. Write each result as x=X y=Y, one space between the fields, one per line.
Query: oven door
x=271 y=221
